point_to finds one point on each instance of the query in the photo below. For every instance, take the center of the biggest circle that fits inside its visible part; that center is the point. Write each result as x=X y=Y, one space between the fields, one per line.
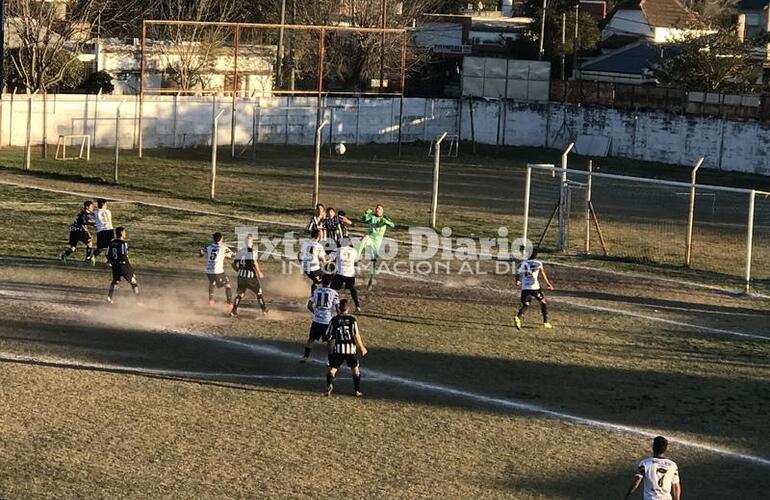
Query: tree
x=188 y=53
x=713 y=12
x=589 y=34
x=45 y=38
x=100 y=80
x=717 y=62
x=351 y=59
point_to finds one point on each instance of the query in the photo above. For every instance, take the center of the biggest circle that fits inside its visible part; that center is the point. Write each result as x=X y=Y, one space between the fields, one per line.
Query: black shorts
x=317 y=331
x=124 y=271
x=526 y=296
x=339 y=282
x=79 y=236
x=103 y=238
x=315 y=276
x=252 y=284
x=219 y=280
x=336 y=360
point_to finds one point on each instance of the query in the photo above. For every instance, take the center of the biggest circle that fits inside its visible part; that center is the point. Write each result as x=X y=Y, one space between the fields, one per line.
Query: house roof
x=744 y=5
x=633 y=59
x=661 y=13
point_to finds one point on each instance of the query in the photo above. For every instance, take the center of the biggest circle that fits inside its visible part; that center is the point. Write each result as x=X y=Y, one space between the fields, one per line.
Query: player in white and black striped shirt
x=249 y=274
x=345 y=344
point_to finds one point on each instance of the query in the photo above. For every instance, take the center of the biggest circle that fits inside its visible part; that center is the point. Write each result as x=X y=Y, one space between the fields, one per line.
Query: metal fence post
x=436 y=167
x=317 y=169
x=527 y=190
x=691 y=214
x=563 y=202
x=589 y=188
x=750 y=239
x=214 y=143
x=117 y=142
x=28 y=144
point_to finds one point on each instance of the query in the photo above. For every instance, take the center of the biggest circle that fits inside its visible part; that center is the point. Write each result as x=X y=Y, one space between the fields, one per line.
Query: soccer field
x=478 y=194
x=172 y=399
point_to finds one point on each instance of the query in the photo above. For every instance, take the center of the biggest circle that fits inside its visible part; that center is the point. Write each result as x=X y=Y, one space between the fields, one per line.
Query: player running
x=377 y=223
x=659 y=474
x=345 y=270
x=104 y=231
x=312 y=256
x=528 y=276
x=79 y=233
x=215 y=254
x=249 y=274
x=323 y=303
x=117 y=255
x=346 y=343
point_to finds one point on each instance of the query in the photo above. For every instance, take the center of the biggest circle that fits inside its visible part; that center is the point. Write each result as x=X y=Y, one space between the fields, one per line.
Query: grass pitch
x=234 y=414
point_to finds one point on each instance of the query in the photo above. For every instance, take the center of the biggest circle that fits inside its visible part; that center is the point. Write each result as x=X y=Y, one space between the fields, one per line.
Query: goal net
x=647 y=221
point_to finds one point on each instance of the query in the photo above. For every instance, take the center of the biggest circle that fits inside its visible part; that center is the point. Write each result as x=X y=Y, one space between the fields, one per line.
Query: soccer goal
x=720 y=229
x=81 y=143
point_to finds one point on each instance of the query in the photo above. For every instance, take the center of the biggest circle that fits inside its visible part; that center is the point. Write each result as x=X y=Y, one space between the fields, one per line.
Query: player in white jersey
x=312 y=256
x=659 y=475
x=345 y=259
x=528 y=275
x=215 y=254
x=324 y=304
x=104 y=230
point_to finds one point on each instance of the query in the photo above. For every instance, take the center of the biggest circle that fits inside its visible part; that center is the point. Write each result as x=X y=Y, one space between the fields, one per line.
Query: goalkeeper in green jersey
x=376 y=225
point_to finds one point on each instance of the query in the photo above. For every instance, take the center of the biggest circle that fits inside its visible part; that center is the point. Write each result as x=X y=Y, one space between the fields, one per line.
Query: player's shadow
x=429 y=320
x=598 y=478
x=720 y=407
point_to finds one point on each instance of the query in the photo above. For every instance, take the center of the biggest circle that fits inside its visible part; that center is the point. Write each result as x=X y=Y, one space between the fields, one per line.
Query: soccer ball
x=340 y=149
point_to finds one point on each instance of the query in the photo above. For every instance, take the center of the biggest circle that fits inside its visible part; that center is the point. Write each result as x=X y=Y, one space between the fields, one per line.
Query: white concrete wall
x=186 y=121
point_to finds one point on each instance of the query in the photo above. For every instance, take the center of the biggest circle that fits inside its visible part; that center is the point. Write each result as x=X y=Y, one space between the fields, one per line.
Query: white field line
x=280 y=223
x=134 y=370
x=507 y=404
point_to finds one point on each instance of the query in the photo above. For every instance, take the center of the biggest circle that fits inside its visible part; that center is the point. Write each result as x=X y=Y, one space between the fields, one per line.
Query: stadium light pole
x=541 y=52
x=575 y=39
x=279 y=62
x=382 y=44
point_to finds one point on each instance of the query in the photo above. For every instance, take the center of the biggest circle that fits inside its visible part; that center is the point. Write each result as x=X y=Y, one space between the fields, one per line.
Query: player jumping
x=79 y=233
x=377 y=223
x=659 y=474
x=215 y=254
x=345 y=270
x=334 y=225
x=249 y=275
x=117 y=255
x=104 y=231
x=312 y=256
x=323 y=303
x=527 y=275
x=346 y=343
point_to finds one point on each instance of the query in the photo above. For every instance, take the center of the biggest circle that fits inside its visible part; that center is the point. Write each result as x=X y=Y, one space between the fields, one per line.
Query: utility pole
x=563 y=44
x=2 y=47
x=541 y=53
x=575 y=39
x=279 y=62
x=382 y=44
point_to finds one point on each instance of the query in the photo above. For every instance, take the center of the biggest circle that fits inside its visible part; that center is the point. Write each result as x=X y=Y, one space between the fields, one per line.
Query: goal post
x=83 y=147
x=650 y=221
